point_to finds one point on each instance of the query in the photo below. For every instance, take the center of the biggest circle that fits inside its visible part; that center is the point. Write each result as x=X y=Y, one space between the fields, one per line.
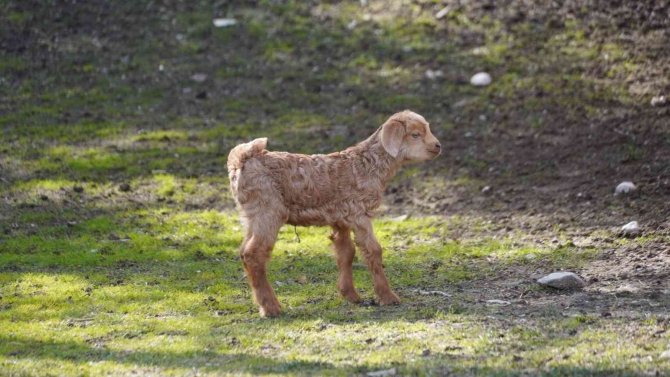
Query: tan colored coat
x=340 y=189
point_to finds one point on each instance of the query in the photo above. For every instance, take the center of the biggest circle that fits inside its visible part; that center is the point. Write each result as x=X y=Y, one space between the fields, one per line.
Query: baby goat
x=339 y=190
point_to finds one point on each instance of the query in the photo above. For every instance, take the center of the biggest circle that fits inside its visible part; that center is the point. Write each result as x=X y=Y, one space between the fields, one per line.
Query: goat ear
x=393 y=131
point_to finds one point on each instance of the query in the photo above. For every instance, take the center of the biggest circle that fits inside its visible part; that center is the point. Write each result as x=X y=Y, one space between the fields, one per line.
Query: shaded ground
x=118 y=236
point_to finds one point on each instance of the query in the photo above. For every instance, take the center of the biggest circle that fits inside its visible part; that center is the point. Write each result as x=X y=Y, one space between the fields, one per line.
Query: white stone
x=659 y=101
x=432 y=75
x=199 y=77
x=443 y=12
x=631 y=229
x=627 y=288
x=480 y=79
x=562 y=280
x=224 y=22
x=497 y=302
x=437 y=293
x=665 y=355
x=625 y=187
x=382 y=373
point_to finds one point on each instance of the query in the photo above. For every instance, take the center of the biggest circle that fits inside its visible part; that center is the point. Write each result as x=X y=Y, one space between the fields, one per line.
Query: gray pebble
x=631 y=229
x=562 y=280
x=625 y=187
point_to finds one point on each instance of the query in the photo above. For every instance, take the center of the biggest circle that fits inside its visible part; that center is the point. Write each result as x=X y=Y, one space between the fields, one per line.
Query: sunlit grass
x=160 y=288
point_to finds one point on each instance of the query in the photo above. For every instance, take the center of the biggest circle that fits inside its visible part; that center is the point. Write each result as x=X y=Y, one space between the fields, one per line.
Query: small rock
x=382 y=373
x=443 y=12
x=400 y=218
x=480 y=79
x=124 y=187
x=78 y=189
x=439 y=293
x=627 y=288
x=368 y=303
x=584 y=196
x=432 y=75
x=497 y=302
x=486 y=189
x=224 y=22
x=562 y=280
x=665 y=355
x=626 y=187
x=199 y=77
x=631 y=229
x=659 y=101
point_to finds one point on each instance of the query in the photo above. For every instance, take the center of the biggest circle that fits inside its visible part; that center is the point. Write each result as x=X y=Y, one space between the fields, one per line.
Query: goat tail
x=241 y=153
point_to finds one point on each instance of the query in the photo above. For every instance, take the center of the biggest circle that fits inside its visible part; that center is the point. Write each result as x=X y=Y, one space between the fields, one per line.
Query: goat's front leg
x=372 y=252
x=344 y=252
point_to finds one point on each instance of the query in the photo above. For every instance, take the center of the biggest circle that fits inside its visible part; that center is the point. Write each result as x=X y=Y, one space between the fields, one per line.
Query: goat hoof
x=351 y=296
x=269 y=311
x=389 y=299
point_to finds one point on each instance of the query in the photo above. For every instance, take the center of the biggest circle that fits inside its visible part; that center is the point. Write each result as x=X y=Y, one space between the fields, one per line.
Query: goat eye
x=416 y=136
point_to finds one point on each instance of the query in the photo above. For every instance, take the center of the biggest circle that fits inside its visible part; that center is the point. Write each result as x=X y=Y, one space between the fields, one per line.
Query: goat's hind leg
x=255 y=253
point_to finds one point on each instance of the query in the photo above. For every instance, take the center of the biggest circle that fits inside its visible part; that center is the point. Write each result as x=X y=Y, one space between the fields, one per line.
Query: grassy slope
x=97 y=280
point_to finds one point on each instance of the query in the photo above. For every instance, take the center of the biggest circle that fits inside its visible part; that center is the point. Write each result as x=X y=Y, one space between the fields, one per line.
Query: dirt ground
x=560 y=179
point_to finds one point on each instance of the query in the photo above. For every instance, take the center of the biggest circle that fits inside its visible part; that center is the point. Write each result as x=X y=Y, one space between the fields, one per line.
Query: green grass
x=97 y=279
x=162 y=291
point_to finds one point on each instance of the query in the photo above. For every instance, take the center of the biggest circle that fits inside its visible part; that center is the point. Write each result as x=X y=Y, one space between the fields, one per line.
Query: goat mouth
x=435 y=152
